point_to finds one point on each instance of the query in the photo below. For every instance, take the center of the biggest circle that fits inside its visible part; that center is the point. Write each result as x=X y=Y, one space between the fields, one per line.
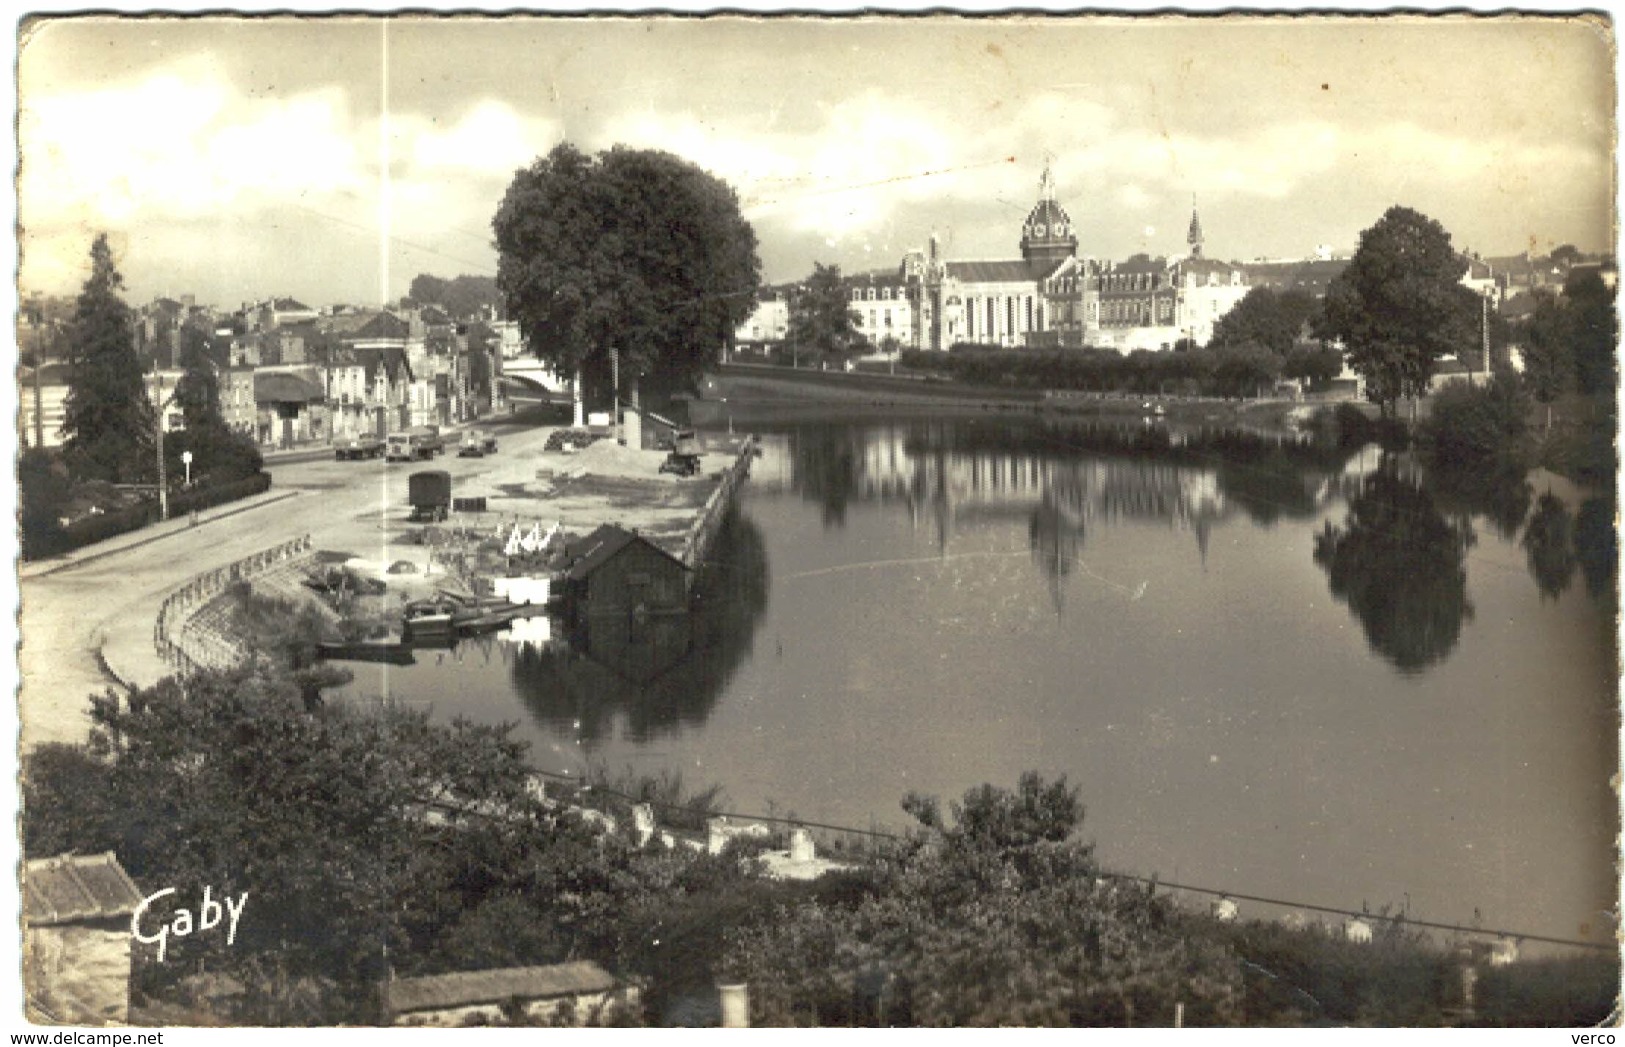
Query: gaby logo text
x=179 y=921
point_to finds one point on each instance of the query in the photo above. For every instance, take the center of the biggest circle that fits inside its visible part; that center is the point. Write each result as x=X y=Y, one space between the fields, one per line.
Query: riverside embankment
x=89 y=623
x=746 y=394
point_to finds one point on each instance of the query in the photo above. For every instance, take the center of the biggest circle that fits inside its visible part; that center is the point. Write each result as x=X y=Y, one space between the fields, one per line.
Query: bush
x=219 y=494
x=1473 y=425
x=42 y=489
x=102 y=526
x=1568 y=991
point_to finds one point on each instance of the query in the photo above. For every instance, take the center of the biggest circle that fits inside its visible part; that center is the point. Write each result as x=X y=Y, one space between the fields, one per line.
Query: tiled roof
x=877 y=278
x=1005 y=272
x=1140 y=263
x=1207 y=265
x=72 y=888
x=369 y=322
x=601 y=545
x=281 y=387
x=1309 y=275
x=467 y=988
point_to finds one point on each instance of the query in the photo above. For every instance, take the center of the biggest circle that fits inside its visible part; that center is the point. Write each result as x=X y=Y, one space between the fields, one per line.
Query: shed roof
x=466 y=988
x=72 y=887
x=599 y=547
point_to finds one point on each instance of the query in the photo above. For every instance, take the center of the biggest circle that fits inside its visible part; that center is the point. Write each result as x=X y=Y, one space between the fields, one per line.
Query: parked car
x=477 y=443
x=365 y=445
x=431 y=438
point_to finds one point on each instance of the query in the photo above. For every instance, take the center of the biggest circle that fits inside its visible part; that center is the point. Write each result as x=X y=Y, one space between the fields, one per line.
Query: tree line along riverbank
x=988 y=911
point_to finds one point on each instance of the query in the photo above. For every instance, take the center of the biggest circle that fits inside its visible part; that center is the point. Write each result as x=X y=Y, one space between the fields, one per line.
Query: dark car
x=364 y=446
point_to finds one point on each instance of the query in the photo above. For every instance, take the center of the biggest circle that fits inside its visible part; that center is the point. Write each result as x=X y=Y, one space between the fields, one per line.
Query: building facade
x=1051 y=296
x=1054 y=297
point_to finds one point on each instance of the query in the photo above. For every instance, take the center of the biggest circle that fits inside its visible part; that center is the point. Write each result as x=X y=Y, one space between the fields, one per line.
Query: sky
x=335 y=159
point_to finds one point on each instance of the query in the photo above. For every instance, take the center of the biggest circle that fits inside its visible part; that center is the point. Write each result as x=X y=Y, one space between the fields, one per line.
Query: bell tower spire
x=1194 y=237
x=1047 y=237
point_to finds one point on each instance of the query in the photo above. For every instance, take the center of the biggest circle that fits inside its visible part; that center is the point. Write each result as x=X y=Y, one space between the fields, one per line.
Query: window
x=885 y=294
x=871 y=294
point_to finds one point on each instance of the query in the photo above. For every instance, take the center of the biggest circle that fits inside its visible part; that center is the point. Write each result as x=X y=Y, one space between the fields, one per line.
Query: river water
x=1277 y=667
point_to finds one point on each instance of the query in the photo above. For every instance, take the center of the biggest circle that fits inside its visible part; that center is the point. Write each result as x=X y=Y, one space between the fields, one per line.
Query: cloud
x=491 y=138
x=180 y=143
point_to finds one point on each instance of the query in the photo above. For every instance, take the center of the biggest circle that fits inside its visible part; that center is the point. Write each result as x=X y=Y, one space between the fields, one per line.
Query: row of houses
x=288 y=375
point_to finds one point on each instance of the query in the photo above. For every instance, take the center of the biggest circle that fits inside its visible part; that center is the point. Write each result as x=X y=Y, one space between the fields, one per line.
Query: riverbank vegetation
x=371 y=840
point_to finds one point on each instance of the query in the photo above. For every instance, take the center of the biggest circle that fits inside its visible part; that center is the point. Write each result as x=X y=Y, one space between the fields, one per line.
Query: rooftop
x=70 y=888
x=601 y=545
x=996 y=272
x=466 y=988
x=278 y=387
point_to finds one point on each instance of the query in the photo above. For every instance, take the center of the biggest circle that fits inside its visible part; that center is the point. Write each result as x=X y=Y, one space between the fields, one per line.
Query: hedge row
x=57 y=539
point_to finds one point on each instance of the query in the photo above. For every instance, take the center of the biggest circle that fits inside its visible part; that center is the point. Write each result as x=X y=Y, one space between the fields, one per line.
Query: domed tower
x=1047 y=238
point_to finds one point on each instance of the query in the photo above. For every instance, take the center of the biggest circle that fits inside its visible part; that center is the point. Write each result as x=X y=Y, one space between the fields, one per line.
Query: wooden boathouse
x=616 y=572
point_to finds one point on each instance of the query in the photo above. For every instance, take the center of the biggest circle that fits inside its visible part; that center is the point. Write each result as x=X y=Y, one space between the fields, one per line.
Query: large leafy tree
x=1400 y=305
x=1548 y=351
x=990 y=918
x=1594 y=331
x=218 y=454
x=107 y=418
x=463 y=297
x=633 y=251
x=198 y=394
x=1273 y=319
x=822 y=320
x=228 y=780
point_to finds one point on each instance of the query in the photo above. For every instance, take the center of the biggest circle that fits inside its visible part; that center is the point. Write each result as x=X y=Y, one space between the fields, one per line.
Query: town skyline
x=233 y=158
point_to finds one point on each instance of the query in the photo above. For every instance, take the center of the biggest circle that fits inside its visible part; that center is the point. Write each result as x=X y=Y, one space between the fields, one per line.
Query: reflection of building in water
x=535 y=631
x=950 y=485
x=637 y=651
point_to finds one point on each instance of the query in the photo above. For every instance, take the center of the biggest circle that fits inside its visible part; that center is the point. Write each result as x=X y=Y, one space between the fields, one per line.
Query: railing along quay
x=698 y=541
x=187 y=647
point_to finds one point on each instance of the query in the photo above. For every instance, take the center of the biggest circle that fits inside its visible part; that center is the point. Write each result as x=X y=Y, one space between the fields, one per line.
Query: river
x=1274 y=666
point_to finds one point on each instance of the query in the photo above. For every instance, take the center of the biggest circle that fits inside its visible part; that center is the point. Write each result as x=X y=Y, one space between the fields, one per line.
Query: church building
x=1053 y=297
x=1049 y=297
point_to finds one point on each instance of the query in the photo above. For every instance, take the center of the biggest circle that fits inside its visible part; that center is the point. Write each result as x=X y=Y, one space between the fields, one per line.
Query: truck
x=429 y=436
x=413 y=444
x=429 y=491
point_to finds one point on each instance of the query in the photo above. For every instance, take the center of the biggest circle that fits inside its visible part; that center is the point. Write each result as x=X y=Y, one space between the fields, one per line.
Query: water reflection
x=658 y=675
x=1548 y=543
x=1596 y=545
x=1062 y=476
x=1401 y=567
x=1501 y=496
